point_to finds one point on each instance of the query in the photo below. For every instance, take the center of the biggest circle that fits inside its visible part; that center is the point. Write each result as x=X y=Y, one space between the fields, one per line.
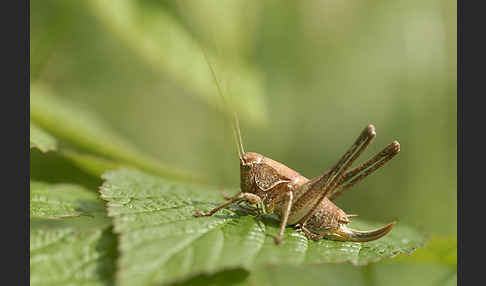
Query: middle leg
x=289 y=196
x=309 y=234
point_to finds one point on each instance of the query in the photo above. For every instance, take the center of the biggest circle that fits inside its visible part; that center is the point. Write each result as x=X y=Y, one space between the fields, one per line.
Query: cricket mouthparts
x=348 y=234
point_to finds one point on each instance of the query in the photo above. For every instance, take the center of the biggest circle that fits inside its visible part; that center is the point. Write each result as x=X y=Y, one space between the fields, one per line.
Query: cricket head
x=247 y=161
x=250 y=158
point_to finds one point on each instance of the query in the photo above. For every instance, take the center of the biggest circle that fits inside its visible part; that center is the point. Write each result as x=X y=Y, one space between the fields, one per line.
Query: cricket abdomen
x=328 y=218
x=331 y=222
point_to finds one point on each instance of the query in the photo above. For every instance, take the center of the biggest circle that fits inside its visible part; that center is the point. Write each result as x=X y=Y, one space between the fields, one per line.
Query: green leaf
x=161 y=241
x=61 y=254
x=438 y=249
x=61 y=200
x=165 y=44
x=40 y=139
x=84 y=130
x=77 y=246
x=406 y=274
x=378 y=274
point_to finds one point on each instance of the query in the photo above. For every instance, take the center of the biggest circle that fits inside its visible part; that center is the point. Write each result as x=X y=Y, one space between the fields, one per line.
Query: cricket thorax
x=261 y=175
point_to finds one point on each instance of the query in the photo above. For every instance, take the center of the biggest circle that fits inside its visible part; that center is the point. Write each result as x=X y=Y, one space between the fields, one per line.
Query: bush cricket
x=307 y=204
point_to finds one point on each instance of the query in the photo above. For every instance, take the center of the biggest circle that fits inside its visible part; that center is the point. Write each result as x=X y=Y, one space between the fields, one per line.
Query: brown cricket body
x=308 y=204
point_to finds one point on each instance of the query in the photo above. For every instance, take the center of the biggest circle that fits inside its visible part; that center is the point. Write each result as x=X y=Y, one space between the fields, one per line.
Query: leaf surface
x=64 y=255
x=76 y=250
x=161 y=241
x=62 y=200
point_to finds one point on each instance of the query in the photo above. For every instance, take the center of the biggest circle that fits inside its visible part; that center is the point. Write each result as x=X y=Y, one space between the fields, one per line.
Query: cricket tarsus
x=308 y=233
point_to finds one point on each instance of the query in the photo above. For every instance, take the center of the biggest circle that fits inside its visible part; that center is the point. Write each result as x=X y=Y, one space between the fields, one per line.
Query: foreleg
x=248 y=197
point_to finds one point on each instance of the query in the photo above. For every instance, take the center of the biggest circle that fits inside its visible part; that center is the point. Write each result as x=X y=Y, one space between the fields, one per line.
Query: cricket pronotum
x=307 y=204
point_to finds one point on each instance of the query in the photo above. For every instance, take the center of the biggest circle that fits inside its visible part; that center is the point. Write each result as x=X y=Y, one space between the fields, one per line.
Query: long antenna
x=236 y=125
x=239 y=132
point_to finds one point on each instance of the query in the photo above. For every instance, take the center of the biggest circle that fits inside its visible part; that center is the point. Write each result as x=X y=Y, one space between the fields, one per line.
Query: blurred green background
x=304 y=76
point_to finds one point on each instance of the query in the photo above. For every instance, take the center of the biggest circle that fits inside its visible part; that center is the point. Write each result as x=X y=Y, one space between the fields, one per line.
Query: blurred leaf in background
x=125 y=83
x=40 y=139
x=85 y=130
